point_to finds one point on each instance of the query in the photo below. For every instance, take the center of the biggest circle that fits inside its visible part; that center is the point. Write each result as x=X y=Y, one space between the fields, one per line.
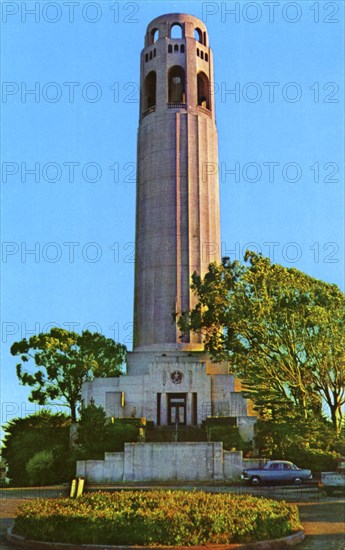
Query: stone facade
x=167 y=462
x=175 y=384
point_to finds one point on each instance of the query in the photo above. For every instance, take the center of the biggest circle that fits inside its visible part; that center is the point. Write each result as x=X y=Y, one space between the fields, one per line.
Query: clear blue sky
x=80 y=131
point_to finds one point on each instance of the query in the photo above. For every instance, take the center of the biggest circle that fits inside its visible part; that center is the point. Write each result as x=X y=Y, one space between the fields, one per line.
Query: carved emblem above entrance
x=176 y=377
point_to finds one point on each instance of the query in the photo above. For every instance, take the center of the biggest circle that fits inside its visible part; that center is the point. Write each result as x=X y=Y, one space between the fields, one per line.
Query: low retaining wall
x=277 y=544
x=166 y=462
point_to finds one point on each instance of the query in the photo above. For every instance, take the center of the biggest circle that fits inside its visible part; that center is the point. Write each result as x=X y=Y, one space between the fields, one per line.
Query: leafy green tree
x=282 y=331
x=275 y=438
x=62 y=360
x=43 y=431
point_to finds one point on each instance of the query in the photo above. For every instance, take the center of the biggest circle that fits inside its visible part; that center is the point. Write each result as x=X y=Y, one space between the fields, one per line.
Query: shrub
x=92 y=432
x=230 y=436
x=118 y=435
x=40 y=468
x=219 y=421
x=284 y=438
x=56 y=465
x=316 y=460
x=137 y=422
x=309 y=443
x=150 y=424
x=97 y=436
x=64 y=464
x=156 y=517
x=24 y=437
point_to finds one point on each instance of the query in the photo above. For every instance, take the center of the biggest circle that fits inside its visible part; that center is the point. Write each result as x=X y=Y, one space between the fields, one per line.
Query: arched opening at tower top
x=200 y=36
x=176 y=31
x=203 y=86
x=150 y=91
x=154 y=36
x=176 y=85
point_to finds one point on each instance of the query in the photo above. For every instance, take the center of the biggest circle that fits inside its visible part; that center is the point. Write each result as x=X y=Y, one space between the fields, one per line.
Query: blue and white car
x=276 y=471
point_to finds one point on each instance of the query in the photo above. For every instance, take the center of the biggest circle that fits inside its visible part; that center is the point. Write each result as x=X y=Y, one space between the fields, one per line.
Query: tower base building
x=176 y=388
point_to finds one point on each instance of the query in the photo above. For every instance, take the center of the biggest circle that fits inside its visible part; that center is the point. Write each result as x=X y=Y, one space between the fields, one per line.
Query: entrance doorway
x=177 y=409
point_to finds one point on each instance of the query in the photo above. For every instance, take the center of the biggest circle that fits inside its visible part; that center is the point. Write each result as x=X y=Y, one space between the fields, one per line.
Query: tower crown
x=176 y=66
x=166 y=25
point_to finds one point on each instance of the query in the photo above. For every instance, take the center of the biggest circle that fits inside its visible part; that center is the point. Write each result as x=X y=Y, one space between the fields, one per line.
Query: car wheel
x=297 y=480
x=255 y=480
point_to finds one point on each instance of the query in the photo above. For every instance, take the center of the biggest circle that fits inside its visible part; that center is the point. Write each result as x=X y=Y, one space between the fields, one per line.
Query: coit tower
x=177 y=208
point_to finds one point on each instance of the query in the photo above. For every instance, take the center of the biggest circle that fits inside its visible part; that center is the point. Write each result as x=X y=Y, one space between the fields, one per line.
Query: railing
x=177 y=105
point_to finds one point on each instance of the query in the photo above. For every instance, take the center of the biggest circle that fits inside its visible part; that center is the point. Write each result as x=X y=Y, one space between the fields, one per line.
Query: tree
x=63 y=361
x=310 y=443
x=282 y=331
x=92 y=431
x=43 y=431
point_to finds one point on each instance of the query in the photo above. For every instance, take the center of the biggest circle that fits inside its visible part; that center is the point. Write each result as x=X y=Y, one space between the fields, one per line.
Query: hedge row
x=156 y=517
x=317 y=460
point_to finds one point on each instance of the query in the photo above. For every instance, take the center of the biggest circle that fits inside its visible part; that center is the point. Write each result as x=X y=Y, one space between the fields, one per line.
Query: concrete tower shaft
x=177 y=217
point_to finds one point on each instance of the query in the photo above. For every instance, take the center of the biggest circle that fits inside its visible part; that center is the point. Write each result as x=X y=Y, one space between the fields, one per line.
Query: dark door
x=177 y=409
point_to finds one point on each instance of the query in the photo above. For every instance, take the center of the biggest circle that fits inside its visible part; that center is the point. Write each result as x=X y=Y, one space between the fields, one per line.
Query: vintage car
x=334 y=481
x=276 y=471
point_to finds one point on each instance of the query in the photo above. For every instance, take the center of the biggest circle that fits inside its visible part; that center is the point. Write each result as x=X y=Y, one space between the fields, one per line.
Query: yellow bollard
x=80 y=488
x=73 y=488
